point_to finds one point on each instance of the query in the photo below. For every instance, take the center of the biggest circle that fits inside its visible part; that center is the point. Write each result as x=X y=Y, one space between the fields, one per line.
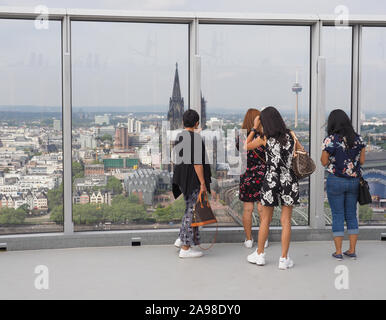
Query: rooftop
x=156 y=272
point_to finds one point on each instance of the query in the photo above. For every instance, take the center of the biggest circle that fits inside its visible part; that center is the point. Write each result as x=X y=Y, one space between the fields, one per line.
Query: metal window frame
x=193 y=19
x=356 y=77
x=317 y=116
x=67 y=125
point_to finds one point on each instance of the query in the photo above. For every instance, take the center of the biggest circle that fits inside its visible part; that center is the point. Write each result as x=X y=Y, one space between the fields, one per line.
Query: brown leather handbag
x=203 y=215
x=302 y=164
x=202 y=212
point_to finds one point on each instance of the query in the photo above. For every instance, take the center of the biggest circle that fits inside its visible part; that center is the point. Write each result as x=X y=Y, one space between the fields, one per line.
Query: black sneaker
x=350 y=255
x=338 y=257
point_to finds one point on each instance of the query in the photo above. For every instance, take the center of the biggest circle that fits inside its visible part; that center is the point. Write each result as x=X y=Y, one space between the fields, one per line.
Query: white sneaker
x=259 y=259
x=285 y=263
x=190 y=253
x=266 y=244
x=178 y=243
x=248 y=244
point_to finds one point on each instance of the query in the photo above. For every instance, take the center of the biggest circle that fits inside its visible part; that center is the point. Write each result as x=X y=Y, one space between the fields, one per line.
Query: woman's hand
x=256 y=122
x=203 y=188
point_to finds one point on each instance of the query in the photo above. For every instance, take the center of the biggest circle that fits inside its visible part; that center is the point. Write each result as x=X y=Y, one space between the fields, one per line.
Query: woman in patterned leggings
x=191 y=176
x=189 y=236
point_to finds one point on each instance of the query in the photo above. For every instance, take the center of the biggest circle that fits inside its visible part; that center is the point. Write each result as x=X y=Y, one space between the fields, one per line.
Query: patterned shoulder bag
x=302 y=164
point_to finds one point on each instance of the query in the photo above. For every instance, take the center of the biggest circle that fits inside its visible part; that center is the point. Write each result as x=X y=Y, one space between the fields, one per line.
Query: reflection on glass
x=127 y=79
x=337 y=49
x=245 y=67
x=373 y=122
x=31 y=166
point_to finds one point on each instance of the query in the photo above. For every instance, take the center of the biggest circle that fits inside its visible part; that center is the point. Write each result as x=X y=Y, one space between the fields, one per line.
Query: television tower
x=297 y=88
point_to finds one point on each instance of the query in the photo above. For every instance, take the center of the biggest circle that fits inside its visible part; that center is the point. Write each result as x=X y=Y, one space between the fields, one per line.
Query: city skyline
x=126 y=78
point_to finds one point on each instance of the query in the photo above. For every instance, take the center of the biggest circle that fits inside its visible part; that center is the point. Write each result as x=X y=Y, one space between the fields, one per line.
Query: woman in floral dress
x=251 y=180
x=280 y=185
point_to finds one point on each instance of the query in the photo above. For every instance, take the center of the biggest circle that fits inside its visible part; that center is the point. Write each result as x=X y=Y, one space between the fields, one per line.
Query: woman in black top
x=191 y=176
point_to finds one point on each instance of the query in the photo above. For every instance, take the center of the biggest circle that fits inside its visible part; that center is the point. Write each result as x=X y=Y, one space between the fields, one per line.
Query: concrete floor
x=156 y=272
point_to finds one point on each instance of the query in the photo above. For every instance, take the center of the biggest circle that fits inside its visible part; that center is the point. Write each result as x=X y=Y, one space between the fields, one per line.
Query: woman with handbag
x=343 y=154
x=280 y=184
x=191 y=177
x=251 y=180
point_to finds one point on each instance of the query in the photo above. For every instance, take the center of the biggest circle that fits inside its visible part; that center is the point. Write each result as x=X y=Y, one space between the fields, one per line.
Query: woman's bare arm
x=199 y=168
x=258 y=142
x=298 y=145
x=362 y=157
x=325 y=158
x=250 y=136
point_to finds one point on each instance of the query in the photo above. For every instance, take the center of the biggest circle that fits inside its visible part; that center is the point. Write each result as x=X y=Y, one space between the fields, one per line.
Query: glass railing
x=131 y=81
x=373 y=123
x=31 y=143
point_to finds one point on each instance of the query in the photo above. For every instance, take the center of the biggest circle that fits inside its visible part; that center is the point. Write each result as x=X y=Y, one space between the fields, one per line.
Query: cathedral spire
x=176 y=86
x=176 y=104
x=203 y=112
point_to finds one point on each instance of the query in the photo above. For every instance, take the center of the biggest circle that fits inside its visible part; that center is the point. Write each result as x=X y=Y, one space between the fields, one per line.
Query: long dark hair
x=273 y=125
x=340 y=123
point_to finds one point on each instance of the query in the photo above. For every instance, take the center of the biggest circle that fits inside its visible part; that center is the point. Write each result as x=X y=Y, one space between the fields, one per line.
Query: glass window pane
x=31 y=165
x=373 y=122
x=125 y=78
x=245 y=66
x=337 y=48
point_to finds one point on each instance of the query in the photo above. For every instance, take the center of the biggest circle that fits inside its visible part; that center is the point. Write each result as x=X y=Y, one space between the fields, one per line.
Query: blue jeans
x=342 y=196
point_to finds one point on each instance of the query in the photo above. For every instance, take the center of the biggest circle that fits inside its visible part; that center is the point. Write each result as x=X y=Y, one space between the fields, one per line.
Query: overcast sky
x=271 y=6
x=117 y=64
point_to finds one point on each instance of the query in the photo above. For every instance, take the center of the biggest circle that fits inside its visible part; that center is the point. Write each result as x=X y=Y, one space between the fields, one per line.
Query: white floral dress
x=280 y=182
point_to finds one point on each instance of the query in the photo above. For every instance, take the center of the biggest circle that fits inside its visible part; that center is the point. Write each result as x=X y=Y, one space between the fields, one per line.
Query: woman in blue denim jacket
x=343 y=154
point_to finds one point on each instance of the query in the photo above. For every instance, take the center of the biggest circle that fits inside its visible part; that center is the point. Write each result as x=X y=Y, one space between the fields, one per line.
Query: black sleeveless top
x=190 y=151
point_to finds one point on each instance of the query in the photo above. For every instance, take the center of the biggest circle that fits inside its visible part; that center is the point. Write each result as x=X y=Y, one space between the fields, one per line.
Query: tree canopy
x=115 y=185
x=10 y=216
